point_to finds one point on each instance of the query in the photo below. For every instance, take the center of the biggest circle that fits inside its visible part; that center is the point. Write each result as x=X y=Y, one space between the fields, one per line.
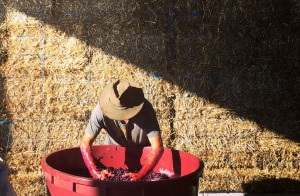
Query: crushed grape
x=119 y=172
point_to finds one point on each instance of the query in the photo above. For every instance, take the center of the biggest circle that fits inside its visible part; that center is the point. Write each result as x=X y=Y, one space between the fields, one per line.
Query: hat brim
x=111 y=111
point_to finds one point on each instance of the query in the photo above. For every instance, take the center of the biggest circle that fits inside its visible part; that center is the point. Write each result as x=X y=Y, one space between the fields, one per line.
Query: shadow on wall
x=5 y=124
x=241 y=56
x=284 y=185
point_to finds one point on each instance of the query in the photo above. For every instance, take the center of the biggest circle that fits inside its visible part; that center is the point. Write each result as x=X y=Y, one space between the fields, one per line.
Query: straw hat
x=121 y=100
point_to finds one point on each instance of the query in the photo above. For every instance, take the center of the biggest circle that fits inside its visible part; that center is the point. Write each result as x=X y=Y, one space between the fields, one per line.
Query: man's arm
x=153 y=158
x=87 y=140
x=87 y=155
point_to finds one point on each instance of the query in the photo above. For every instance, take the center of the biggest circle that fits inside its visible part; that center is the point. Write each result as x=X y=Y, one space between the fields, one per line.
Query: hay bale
x=224 y=97
x=17 y=67
x=28 y=184
x=24 y=108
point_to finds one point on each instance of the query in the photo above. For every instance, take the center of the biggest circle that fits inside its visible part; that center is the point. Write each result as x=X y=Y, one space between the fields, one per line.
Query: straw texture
x=223 y=77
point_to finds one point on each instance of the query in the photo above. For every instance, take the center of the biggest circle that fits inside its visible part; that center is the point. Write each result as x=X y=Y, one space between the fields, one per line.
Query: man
x=129 y=120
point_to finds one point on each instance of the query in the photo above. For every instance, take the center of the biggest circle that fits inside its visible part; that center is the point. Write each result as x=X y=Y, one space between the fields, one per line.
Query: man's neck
x=124 y=121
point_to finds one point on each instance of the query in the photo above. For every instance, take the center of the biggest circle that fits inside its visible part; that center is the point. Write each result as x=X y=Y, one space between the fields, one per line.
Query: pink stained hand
x=103 y=174
x=153 y=157
x=90 y=164
x=133 y=176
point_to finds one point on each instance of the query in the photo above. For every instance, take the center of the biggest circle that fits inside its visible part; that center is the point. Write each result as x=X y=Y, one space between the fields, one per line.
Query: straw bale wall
x=223 y=77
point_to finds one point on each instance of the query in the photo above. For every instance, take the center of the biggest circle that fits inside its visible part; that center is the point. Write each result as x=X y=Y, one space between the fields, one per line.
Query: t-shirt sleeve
x=95 y=123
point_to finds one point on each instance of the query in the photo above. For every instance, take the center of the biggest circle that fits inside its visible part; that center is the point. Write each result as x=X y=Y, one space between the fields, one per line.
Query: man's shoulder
x=97 y=112
x=97 y=108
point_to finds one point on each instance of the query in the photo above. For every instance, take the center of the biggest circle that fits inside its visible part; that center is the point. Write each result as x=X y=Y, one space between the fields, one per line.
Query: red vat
x=66 y=173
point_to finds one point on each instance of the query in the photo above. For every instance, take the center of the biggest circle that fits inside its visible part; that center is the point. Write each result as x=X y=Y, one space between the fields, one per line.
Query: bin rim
x=88 y=181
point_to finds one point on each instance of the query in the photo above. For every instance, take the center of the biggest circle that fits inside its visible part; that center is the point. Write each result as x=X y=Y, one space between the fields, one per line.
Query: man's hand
x=89 y=159
x=132 y=176
x=103 y=174
x=153 y=158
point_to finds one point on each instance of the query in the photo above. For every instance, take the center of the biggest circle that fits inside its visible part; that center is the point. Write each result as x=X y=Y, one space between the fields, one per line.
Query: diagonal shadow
x=246 y=60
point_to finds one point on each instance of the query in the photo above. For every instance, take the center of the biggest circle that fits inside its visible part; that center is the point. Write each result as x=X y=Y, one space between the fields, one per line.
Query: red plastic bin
x=66 y=173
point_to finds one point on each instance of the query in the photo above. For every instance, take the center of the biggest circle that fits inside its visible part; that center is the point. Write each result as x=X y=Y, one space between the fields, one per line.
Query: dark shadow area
x=176 y=162
x=284 y=185
x=241 y=56
x=132 y=158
